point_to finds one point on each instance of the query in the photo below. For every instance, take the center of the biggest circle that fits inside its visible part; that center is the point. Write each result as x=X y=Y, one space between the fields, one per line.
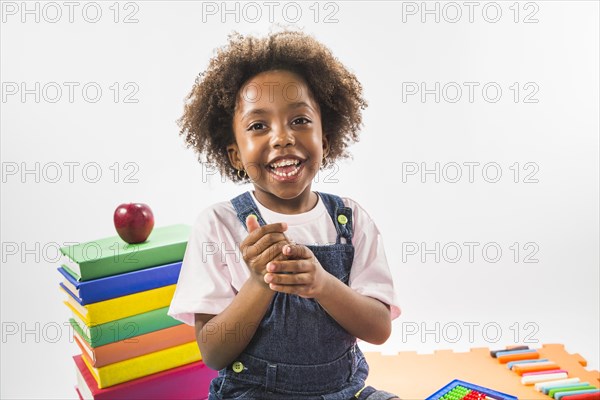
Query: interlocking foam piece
x=415 y=376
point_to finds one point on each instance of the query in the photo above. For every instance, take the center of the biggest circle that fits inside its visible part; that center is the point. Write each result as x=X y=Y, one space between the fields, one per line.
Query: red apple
x=134 y=222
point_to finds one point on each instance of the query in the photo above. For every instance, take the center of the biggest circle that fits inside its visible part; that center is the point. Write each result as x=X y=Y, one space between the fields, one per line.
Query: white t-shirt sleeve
x=204 y=284
x=370 y=274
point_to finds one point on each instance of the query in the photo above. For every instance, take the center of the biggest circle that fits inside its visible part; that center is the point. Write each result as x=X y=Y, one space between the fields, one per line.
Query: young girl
x=281 y=281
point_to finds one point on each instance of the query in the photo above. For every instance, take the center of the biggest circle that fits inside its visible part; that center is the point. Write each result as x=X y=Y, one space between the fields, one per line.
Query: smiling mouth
x=285 y=168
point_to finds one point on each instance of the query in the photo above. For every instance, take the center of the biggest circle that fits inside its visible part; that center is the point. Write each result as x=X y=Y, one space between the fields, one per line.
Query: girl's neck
x=304 y=202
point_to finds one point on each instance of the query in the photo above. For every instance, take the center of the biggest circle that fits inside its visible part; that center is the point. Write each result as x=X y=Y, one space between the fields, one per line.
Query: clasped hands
x=280 y=264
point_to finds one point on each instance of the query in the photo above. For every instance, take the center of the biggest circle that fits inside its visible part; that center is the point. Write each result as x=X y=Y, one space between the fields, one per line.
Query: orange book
x=136 y=346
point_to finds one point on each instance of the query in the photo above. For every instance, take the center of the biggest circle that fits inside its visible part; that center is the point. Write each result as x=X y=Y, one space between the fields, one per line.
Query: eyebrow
x=263 y=111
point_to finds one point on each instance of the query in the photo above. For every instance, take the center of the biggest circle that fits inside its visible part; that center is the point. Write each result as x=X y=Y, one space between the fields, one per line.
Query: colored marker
x=564 y=385
x=585 y=396
x=523 y=369
x=552 y=371
x=566 y=395
x=494 y=353
x=545 y=385
x=503 y=359
x=513 y=363
x=556 y=391
x=535 y=378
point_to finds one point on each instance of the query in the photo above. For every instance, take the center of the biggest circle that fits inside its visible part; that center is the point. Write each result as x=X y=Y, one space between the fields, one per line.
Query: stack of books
x=119 y=295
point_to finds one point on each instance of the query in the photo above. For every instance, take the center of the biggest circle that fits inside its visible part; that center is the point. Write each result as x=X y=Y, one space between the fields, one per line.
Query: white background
x=552 y=301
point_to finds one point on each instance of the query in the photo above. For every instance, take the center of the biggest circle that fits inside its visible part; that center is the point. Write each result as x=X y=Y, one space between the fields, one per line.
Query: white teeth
x=284 y=163
x=291 y=173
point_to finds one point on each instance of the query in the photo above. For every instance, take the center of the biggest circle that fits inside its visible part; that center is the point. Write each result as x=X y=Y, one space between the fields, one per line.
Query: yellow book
x=124 y=306
x=151 y=363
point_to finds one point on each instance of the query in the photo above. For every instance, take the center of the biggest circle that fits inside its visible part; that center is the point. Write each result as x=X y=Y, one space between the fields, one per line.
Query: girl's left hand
x=300 y=274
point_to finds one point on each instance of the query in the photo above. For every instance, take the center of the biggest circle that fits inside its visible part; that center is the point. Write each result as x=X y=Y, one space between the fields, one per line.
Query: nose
x=282 y=137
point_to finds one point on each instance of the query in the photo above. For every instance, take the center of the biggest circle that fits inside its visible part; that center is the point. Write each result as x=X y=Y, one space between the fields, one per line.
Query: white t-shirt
x=213 y=270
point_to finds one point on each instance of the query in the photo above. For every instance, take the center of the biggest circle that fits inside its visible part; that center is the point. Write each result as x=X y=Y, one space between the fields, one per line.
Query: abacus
x=461 y=390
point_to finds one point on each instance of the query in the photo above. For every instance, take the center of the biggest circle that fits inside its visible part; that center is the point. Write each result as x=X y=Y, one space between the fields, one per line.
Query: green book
x=125 y=328
x=113 y=256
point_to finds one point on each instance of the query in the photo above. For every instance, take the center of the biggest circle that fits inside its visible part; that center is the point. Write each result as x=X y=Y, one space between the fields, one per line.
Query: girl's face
x=279 y=139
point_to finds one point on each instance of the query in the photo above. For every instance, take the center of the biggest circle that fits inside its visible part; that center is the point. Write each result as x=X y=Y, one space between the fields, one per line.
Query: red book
x=188 y=382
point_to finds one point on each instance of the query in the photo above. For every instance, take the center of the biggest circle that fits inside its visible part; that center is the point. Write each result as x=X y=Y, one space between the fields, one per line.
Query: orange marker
x=523 y=369
x=504 y=358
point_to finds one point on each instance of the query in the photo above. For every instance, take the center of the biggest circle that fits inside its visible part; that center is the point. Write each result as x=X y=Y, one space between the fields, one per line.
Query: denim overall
x=299 y=351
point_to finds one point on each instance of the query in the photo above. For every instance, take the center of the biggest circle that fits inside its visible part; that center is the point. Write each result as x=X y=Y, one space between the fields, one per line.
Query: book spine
x=128 y=283
x=147 y=364
x=126 y=328
x=127 y=262
x=112 y=256
x=70 y=292
x=126 y=306
x=188 y=382
x=140 y=345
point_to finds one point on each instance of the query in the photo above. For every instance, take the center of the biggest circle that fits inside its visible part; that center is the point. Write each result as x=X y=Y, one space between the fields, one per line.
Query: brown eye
x=256 y=126
x=303 y=121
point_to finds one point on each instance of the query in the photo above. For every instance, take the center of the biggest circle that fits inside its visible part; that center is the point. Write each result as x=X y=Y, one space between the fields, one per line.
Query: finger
x=252 y=223
x=256 y=234
x=288 y=279
x=297 y=251
x=300 y=290
x=290 y=266
x=270 y=254
x=264 y=243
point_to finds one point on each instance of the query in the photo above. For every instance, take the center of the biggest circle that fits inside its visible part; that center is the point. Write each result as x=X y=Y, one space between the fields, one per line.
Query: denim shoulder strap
x=340 y=214
x=244 y=205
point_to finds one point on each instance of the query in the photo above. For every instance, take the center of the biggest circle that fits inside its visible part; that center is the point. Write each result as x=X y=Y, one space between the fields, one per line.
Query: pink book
x=188 y=382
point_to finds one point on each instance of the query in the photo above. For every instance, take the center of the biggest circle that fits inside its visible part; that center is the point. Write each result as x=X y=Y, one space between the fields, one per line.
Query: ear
x=233 y=152
x=325 y=146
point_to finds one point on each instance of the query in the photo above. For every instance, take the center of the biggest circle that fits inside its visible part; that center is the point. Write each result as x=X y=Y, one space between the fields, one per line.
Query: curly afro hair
x=207 y=122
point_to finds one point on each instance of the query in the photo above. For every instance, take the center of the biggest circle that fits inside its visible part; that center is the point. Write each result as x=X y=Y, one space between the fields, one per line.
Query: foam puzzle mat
x=416 y=376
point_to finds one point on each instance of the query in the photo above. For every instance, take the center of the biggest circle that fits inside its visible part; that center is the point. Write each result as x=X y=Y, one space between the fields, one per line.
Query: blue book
x=119 y=285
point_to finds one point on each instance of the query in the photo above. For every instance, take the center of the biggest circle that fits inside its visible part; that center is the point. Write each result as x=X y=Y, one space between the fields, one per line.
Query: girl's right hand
x=263 y=244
